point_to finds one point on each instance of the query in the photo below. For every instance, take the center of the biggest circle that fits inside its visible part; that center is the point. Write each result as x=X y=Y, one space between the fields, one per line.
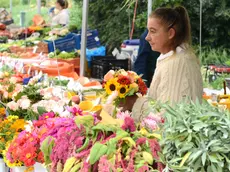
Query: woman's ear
x=171 y=33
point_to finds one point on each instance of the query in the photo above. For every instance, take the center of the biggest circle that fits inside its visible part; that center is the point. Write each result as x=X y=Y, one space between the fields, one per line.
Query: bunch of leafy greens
x=196 y=138
x=31 y=91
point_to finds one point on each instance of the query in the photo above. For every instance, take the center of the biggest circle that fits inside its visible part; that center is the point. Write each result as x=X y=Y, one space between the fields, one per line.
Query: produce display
x=57 y=121
x=67 y=125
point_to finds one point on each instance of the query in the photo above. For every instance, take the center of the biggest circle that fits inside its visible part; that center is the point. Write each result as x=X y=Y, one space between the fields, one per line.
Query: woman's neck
x=167 y=49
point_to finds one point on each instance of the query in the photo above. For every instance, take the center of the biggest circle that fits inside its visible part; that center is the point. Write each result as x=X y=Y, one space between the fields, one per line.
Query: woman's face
x=58 y=6
x=159 y=36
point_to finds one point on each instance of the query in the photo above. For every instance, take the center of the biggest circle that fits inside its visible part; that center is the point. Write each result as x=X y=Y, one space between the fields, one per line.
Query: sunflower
x=123 y=90
x=111 y=85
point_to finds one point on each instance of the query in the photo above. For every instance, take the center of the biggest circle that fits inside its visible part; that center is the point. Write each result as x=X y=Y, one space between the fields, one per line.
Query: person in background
x=5 y=17
x=146 y=60
x=177 y=74
x=62 y=17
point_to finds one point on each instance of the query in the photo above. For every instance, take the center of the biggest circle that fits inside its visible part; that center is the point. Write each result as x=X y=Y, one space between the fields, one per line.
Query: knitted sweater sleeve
x=176 y=78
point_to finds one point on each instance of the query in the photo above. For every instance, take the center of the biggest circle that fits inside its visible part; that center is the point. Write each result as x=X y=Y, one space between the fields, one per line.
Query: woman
x=62 y=17
x=177 y=74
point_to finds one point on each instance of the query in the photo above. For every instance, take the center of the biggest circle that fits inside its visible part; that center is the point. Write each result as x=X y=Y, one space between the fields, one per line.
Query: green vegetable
x=96 y=152
x=196 y=138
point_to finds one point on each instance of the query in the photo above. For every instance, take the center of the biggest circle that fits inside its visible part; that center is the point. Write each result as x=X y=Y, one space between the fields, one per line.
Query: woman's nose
x=147 y=37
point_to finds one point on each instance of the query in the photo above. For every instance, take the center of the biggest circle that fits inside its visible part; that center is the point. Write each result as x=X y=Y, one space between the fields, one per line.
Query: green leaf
x=86 y=121
x=199 y=126
x=41 y=110
x=213 y=167
x=212 y=158
x=96 y=152
x=111 y=144
x=203 y=158
x=46 y=148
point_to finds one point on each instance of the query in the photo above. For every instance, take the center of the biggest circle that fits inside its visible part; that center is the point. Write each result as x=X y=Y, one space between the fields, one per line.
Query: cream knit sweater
x=177 y=77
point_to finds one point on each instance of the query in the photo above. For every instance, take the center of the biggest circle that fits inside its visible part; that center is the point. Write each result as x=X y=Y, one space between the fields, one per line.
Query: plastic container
x=26 y=80
x=93 y=40
x=69 y=43
x=100 y=65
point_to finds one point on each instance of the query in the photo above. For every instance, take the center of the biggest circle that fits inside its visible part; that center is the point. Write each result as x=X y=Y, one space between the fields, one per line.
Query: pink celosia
x=129 y=124
x=122 y=115
x=141 y=141
x=104 y=165
x=154 y=147
x=86 y=167
x=152 y=121
x=144 y=168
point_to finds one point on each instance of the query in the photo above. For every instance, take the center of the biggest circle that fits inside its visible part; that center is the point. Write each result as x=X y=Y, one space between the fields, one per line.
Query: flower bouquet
x=9 y=128
x=23 y=150
x=123 y=88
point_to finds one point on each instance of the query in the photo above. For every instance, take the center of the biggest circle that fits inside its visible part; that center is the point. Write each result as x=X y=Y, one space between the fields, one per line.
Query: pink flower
x=75 y=111
x=129 y=124
x=152 y=121
x=13 y=106
x=47 y=115
x=141 y=141
x=122 y=115
x=5 y=94
x=109 y=75
x=154 y=147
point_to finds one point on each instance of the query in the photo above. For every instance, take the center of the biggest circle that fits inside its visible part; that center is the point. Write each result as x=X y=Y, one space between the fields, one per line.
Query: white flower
x=12 y=105
x=58 y=109
x=29 y=126
x=13 y=80
x=48 y=95
x=1 y=75
x=66 y=114
x=24 y=103
x=112 y=97
x=5 y=94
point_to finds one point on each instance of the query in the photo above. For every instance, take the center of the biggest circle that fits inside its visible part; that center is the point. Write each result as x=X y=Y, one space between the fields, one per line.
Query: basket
x=100 y=65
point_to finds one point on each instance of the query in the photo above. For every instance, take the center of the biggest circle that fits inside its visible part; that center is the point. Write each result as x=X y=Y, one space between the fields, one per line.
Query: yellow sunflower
x=123 y=90
x=111 y=85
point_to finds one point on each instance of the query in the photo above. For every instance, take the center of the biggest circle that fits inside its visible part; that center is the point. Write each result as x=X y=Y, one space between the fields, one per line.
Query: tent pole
x=84 y=36
x=200 y=54
x=39 y=6
x=150 y=4
x=11 y=6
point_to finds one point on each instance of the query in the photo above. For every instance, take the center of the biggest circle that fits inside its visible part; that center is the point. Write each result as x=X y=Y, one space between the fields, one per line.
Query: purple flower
x=129 y=124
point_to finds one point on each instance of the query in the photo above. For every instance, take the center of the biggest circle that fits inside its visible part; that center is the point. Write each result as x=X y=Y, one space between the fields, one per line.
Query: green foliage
x=196 y=138
x=218 y=83
x=75 y=16
x=214 y=56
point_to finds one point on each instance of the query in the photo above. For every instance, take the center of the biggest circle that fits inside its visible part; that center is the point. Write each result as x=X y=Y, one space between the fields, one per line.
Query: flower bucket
x=128 y=103
x=38 y=167
x=22 y=169
x=3 y=166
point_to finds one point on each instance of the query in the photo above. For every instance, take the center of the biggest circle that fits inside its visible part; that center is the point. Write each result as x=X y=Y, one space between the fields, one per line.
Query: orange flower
x=2 y=111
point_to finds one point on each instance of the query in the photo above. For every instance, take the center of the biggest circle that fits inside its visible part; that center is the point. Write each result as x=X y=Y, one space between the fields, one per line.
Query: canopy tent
x=85 y=22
